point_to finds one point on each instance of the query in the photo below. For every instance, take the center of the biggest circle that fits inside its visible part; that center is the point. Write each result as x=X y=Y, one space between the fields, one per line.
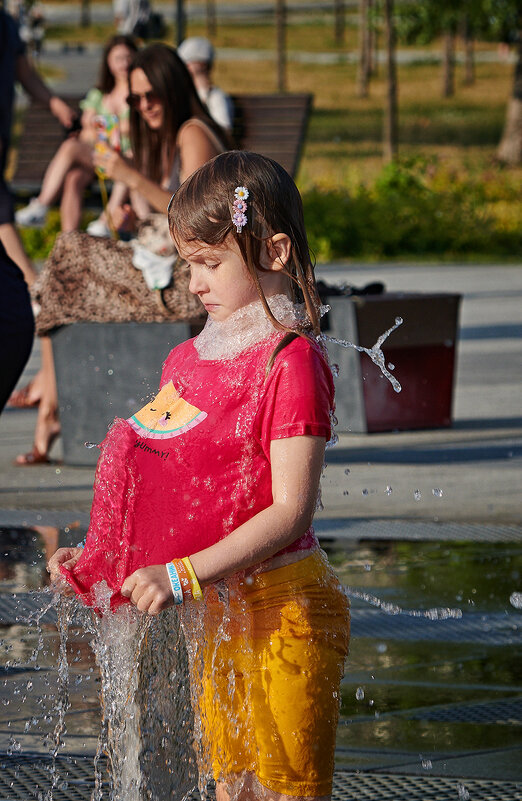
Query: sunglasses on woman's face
x=134 y=100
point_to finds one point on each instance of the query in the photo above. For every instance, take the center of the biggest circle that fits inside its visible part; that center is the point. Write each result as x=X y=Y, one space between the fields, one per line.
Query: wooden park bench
x=273 y=125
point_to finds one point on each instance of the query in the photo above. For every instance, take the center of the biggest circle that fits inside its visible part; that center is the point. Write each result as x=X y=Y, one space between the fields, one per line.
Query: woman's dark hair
x=106 y=80
x=202 y=209
x=172 y=83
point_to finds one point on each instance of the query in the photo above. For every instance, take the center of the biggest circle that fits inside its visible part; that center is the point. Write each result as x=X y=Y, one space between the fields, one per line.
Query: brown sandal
x=33 y=457
x=36 y=456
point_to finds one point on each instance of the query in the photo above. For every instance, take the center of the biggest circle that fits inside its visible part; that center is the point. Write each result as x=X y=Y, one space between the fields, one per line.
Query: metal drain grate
x=26 y=777
x=390 y=787
x=507 y=711
x=392 y=529
x=23 y=778
x=496 y=628
x=25 y=606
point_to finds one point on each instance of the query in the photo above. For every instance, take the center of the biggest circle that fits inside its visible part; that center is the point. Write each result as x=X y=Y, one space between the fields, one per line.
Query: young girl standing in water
x=205 y=497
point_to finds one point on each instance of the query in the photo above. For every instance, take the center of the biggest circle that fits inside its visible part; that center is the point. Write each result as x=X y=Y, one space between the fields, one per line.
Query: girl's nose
x=197 y=283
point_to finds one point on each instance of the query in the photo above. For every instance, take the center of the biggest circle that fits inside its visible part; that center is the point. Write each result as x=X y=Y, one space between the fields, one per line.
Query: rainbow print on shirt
x=166 y=416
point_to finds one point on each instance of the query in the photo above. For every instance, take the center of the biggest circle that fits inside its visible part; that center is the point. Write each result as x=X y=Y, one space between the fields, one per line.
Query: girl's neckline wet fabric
x=246 y=327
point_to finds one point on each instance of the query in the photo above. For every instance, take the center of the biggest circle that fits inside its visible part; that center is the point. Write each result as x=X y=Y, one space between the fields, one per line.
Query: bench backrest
x=41 y=137
x=273 y=125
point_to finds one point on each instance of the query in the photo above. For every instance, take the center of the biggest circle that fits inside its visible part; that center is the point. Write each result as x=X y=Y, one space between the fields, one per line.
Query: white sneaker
x=98 y=228
x=33 y=216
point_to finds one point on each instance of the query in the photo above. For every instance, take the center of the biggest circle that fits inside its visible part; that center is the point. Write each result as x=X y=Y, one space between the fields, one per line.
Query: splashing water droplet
x=463 y=792
x=515 y=599
x=437 y=492
x=359 y=693
x=417 y=494
x=91 y=444
x=375 y=353
x=388 y=490
x=391 y=366
x=426 y=764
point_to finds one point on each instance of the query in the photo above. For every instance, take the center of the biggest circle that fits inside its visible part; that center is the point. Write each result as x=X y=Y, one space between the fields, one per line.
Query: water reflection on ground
x=444 y=697
x=425 y=703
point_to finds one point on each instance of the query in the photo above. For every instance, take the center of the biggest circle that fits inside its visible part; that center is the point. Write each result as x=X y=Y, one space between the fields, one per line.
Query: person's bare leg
x=76 y=182
x=72 y=152
x=47 y=423
x=15 y=250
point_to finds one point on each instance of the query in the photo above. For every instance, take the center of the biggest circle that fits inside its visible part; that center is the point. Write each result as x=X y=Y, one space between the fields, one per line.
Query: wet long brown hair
x=202 y=209
x=106 y=82
x=172 y=83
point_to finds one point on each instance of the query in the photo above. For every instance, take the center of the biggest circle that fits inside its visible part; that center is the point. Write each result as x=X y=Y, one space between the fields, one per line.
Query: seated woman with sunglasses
x=87 y=278
x=171 y=132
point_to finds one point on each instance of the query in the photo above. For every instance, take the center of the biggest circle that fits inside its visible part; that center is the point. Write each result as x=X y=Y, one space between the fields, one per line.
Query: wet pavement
x=432 y=698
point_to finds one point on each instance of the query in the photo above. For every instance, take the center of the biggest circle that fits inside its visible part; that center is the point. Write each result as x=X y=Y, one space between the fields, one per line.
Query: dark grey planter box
x=107 y=370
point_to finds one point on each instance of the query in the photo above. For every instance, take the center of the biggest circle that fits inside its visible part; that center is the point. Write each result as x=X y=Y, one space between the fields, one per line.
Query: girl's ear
x=277 y=253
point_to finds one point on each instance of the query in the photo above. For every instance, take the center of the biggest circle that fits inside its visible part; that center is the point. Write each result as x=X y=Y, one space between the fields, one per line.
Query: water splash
x=375 y=353
x=437 y=613
x=117 y=642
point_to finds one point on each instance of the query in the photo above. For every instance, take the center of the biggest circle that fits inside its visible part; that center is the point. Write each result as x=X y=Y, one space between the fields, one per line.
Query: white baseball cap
x=196 y=48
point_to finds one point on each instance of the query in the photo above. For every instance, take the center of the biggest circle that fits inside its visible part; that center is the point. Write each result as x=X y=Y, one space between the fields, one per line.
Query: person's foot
x=43 y=442
x=33 y=215
x=98 y=228
x=24 y=398
x=31 y=458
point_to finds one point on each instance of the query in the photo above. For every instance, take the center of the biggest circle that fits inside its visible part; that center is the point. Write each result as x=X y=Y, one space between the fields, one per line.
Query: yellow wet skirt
x=267 y=693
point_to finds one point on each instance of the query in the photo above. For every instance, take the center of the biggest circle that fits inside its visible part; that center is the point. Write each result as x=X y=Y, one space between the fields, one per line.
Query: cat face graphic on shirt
x=166 y=416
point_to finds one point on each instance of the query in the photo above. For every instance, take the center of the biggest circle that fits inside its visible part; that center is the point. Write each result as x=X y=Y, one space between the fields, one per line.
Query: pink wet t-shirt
x=193 y=464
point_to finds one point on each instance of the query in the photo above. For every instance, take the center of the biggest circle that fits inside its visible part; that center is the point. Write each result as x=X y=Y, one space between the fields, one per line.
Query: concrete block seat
x=107 y=370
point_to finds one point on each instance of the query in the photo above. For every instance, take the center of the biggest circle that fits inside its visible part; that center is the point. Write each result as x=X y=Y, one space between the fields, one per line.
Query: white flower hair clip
x=239 y=217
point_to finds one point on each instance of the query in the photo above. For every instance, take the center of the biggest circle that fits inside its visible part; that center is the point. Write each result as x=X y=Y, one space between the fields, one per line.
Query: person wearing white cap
x=198 y=54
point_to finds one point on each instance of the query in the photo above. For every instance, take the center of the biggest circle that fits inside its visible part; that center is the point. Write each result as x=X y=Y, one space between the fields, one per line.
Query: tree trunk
x=363 y=71
x=391 y=113
x=180 y=22
x=469 y=52
x=448 y=65
x=372 y=42
x=281 y=44
x=85 y=19
x=211 y=19
x=339 y=22
x=510 y=147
